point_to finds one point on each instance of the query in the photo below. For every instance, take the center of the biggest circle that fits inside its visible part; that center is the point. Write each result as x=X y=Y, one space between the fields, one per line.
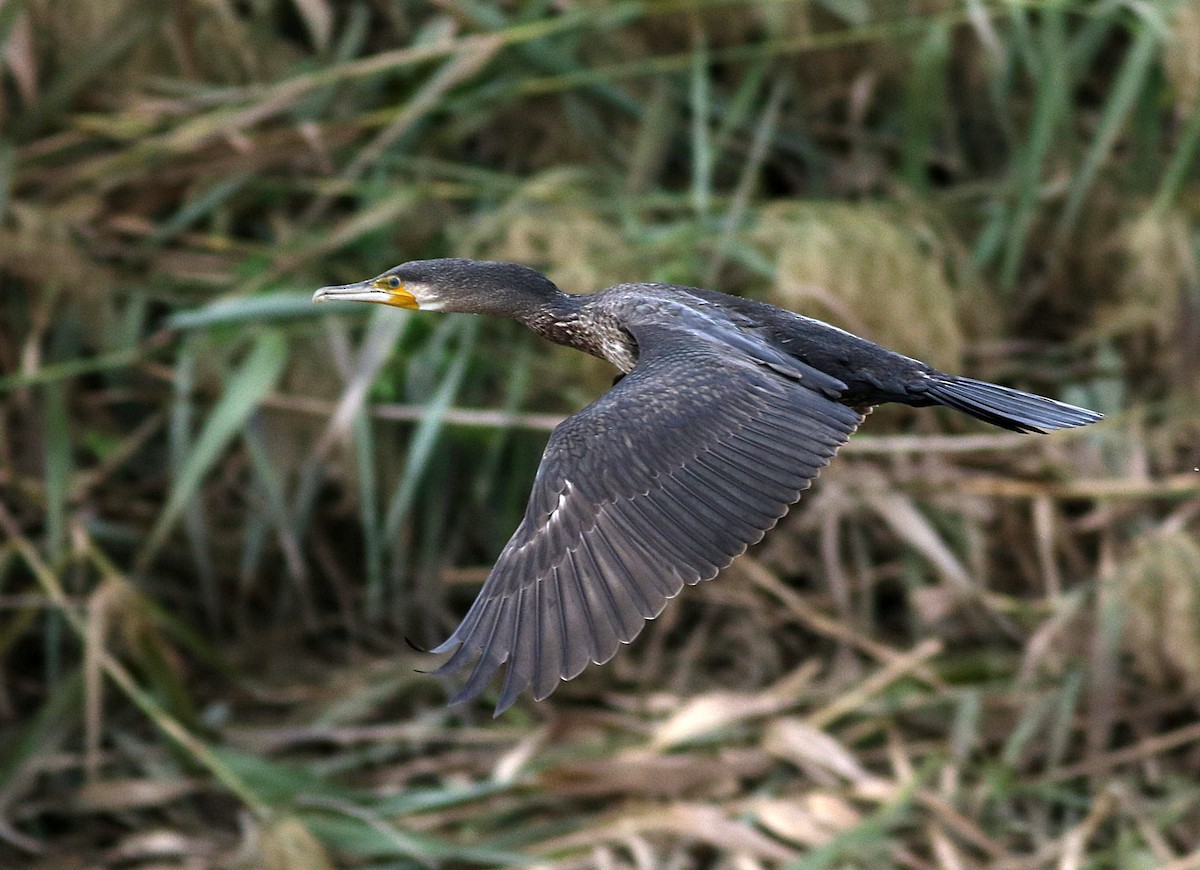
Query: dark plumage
x=727 y=411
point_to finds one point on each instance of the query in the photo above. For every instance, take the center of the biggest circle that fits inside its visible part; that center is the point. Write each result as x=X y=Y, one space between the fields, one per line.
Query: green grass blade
x=364 y=835
x=74 y=368
x=923 y=105
x=180 y=442
x=868 y=838
x=425 y=437
x=418 y=458
x=1182 y=162
x=362 y=434
x=41 y=735
x=1130 y=81
x=258 y=309
x=1028 y=727
x=274 y=493
x=702 y=152
x=58 y=468
x=253 y=380
x=197 y=208
x=8 y=162
x=1050 y=111
x=734 y=115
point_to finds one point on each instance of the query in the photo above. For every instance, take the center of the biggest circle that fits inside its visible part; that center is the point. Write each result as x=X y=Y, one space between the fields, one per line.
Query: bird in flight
x=724 y=410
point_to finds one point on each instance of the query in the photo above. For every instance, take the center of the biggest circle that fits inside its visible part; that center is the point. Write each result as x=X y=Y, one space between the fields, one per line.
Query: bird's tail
x=1005 y=407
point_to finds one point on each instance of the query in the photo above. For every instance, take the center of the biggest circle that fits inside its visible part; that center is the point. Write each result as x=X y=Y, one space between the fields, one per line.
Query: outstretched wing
x=660 y=482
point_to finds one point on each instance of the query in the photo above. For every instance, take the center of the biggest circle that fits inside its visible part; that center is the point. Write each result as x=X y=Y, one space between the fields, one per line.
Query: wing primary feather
x=705 y=556
x=486 y=666
x=524 y=647
x=717 y=496
x=456 y=662
x=692 y=486
x=718 y=535
x=478 y=640
x=790 y=449
x=768 y=504
x=676 y=548
x=799 y=426
x=465 y=627
x=753 y=464
x=621 y=532
x=781 y=487
x=600 y=596
x=604 y=617
x=836 y=416
x=731 y=499
x=682 y=517
x=548 y=662
x=498 y=578
x=617 y=581
x=540 y=653
x=579 y=628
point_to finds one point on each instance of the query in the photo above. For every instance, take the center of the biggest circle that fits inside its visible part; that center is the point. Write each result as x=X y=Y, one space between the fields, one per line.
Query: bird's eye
x=393 y=281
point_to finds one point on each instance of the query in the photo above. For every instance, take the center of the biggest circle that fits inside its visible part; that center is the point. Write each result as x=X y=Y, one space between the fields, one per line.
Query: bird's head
x=451 y=284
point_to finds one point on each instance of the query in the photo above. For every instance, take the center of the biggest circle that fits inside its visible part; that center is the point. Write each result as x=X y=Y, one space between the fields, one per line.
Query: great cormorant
x=724 y=412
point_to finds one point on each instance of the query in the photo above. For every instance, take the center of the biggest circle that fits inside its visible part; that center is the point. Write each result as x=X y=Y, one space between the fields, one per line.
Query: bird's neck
x=581 y=322
x=556 y=319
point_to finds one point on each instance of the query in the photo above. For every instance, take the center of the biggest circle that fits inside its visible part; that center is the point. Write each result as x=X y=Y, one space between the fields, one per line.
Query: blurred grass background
x=221 y=509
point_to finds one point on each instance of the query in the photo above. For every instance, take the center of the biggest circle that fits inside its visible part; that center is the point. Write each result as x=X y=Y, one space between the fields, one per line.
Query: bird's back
x=872 y=373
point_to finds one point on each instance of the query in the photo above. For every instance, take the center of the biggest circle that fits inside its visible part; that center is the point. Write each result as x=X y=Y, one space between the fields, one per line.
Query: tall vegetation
x=222 y=509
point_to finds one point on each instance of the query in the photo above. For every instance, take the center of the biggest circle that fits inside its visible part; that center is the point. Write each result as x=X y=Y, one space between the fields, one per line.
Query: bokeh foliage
x=222 y=509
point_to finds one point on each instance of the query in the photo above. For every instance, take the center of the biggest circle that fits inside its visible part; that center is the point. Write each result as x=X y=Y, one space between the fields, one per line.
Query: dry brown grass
x=222 y=509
